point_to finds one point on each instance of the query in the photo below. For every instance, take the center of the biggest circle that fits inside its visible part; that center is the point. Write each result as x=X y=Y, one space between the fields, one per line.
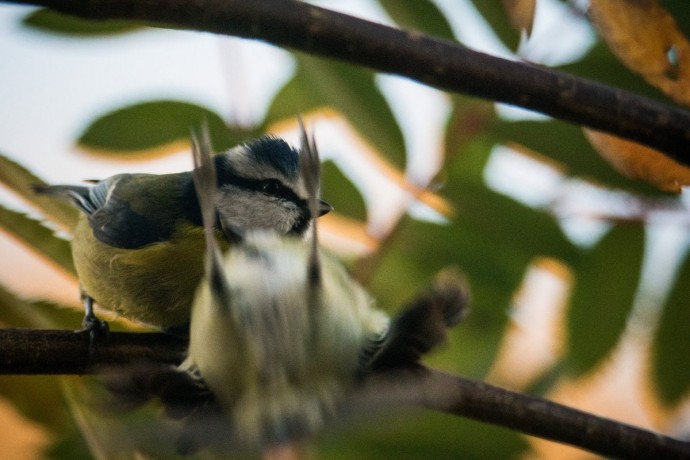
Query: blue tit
x=138 y=247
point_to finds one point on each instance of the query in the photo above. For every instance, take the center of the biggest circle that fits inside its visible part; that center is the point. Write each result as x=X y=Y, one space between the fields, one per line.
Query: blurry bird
x=139 y=244
x=277 y=327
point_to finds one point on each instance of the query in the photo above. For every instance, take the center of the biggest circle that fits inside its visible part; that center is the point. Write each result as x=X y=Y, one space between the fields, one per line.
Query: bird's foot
x=98 y=330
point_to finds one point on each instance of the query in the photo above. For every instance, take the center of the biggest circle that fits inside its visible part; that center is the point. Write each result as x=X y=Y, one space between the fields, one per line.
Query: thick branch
x=67 y=352
x=26 y=351
x=439 y=63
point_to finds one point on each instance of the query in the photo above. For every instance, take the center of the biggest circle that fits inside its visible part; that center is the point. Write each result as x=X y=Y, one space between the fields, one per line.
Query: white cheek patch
x=248 y=209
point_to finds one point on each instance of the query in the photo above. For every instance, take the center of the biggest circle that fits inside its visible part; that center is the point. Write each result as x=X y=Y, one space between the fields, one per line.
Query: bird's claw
x=97 y=329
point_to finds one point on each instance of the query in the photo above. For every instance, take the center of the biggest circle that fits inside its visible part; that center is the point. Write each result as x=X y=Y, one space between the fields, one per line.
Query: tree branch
x=25 y=351
x=546 y=419
x=438 y=63
x=32 y=352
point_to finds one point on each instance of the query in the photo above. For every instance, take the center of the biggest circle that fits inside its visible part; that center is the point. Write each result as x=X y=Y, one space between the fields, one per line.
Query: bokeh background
x=579 y=273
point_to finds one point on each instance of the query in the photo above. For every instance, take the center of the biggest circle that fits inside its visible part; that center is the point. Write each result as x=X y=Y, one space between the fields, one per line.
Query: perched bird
x=139 y=244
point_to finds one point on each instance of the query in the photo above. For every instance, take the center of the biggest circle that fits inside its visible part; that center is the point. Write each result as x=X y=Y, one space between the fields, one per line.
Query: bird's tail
x=78 y=195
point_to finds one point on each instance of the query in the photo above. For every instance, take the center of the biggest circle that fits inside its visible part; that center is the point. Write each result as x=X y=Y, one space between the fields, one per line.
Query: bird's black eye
x=271 y=186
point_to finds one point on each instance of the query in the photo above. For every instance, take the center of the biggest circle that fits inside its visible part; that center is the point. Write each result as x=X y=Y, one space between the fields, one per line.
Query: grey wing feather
x=111 y=217
x=98 y=194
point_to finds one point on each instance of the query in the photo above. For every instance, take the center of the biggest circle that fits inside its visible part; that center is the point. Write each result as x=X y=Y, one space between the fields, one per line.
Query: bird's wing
x=118 y=220
x=116 y=207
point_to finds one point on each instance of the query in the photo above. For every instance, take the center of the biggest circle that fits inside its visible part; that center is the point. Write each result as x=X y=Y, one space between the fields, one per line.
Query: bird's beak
x=324 y=208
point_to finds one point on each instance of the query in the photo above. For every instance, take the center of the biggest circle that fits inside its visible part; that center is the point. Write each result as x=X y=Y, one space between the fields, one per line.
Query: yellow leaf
x=521 y=14
x=645 y=37
x=639 y=162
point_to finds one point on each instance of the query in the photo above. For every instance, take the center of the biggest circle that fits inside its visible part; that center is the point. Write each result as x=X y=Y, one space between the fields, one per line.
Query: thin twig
x=439 y=63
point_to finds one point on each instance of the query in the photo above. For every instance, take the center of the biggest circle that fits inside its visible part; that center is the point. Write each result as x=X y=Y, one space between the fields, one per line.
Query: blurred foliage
x=349 y=90
x=602 y=297
x=38 y=398
x=20 y=181
x=341 y=193
x=49 y=21
x=680 y=12
x=496 y=16
x=645 y=37
x=417 y=435
x=420 y=15
x=637 y=161
x=493 y=238
x=672 y=342
x=154 y=126
x=36 y=236
x=565 y=143
x=521 y=14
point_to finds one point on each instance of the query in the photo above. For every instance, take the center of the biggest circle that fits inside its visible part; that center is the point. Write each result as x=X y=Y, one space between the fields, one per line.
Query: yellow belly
x=153 y=285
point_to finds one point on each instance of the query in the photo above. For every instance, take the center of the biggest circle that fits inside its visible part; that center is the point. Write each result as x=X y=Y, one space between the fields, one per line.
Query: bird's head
x=260 y=186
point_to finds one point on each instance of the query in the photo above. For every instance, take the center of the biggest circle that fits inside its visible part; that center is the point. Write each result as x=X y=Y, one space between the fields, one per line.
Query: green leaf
x=51 y=21
x=672 y=342
x=154 y=125
x=37 y=237
x=340 y=193
x=605 y=285
x=320 y=83
x=20 y=181
x=421 y=15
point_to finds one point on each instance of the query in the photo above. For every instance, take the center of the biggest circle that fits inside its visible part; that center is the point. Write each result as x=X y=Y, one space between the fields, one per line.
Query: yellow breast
x=154 y=284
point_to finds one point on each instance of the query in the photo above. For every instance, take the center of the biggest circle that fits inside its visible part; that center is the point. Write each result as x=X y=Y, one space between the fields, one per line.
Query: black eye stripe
x=271 y=187
x=274 y=187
